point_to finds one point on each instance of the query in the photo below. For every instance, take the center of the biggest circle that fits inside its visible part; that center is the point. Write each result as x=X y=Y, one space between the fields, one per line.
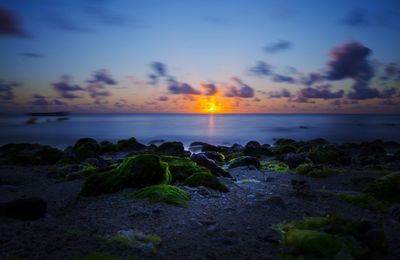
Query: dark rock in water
x=171 y=148
x=210 y=147
x=318 y=141
x=244 y=161
x=29 y=154
x=202 y=160
x=294 y=159
x=214 y=156
x=198 y=144
x=236 y=148
x=205 y=180
x=284 y=149
x=85 y=148
x=284 y=141
x=130 y=145
x=24 y=209
x=254 y=148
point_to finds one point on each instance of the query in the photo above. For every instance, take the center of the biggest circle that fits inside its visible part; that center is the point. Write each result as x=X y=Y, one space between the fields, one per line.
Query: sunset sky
x=215 y=56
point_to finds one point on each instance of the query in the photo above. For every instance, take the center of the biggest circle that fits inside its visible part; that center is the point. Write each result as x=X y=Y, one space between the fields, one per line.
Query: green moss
x=206 y=180
x=229 y=157
x=87 y=170
x=182 y=168
x=275 y=166
x=386 y=188
x=331 y=237
x=162 y=193
x=324 y=155
x=249 y=181
x=95 y=256
x=284 y=149
x=136 y=172
x=306 y=169
x=363 y=200
x=244 y=161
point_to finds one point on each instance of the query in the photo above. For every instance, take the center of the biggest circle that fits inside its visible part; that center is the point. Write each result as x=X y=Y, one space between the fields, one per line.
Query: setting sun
x=211 y=108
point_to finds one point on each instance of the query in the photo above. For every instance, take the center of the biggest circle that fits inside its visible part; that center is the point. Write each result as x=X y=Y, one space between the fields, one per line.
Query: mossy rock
x=244 y=161
x=29 y=154
x=364 y=201
x=284 y=141
x=331 y=237
x=130 y=144
x=108 y=147
x=134 y=172
x=324 y=155
x=275 y=166
x=206 y=180
x=386 y=188
x=162 y=193
x=171 y=148
x=230 y=156
x=285 y=149
x=317 y=171
x=216 y=156
x=182 y=168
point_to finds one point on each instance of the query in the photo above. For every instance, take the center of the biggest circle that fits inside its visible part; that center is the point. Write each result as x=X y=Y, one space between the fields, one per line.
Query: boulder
x=244 y=161
x=130 y=144
x=253 y=148
x=294 y=159
x=29 y=154
x=216 y=156
x=24 y=209
x=202 y=160
x=171 y=148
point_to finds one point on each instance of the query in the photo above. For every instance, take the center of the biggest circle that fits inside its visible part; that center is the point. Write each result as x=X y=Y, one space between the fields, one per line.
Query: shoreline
x=265 y=186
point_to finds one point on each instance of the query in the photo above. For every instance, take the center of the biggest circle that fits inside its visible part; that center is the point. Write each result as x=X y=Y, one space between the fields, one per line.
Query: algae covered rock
x=162 y=193
x=206 y=180
x=182 y=168
x=386 y=188
x=244 y=161
x=202 y=160
x=130 y=144
x=134 y=172
x=29 y=154
x=86 y=148
x=317 y=171
x=171 y=148
x=254 y=148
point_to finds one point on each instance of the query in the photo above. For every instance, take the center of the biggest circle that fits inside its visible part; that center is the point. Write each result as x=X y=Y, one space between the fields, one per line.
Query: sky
x=200 y=56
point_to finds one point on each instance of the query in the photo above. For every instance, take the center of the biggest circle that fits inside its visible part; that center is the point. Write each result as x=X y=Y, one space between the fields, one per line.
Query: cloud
x=283 y=93
x=65 y=89
x=31 y=55
x=283 y=79
x=97 y=90
x=209 y=88
x=163 y=98
x=10 y=24
x=278 y=46
x=357 y=17
x=261 y=69
x=159 y=70
x=321 y=93
x=42 y=101
x=311 y=78
x=351 y=61
x=180 y=88
x=6 y=91
x=239 y=89
x=103 y=77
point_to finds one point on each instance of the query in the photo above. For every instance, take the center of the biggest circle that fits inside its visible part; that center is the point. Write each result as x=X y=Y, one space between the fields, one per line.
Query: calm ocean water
x=215 y=129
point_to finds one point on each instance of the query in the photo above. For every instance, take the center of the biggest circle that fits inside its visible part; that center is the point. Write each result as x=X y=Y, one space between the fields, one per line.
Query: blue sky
x=199 y=42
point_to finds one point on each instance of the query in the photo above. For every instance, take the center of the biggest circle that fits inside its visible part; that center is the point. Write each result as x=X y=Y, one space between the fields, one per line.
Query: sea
x=219 y=129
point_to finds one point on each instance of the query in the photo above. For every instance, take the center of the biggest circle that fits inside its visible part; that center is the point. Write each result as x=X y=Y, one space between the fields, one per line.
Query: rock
x=210 y=147
x=86 y=148
x=236 y=148
x=276 y=201
x=254 y=148
x=130 y=145
x=211 y=230
x=202 y=160
x=216 y=156
x=171 y=148
x=206 y=180
x=244 y=161
x=284 y=141
x=203 y=191
x=300 y=187
x=108 y=147
x=285 y=149
x=24 y=209
x=29 y=154
x=294 y=159
x=395 y=212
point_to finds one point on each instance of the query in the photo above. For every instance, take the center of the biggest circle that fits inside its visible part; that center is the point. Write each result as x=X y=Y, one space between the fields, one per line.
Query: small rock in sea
x=276 y=201
x=24 y=209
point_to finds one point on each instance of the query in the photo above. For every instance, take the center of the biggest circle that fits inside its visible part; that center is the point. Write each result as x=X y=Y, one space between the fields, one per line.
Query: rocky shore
x=127 y=200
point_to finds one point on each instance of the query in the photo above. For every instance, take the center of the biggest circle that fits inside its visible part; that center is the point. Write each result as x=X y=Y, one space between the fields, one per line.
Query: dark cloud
x=388 y=93
x=10 y=24
x=103 y=77
x=163 y=98
x=31 y=55
x=284 y=93
x=159 y=68
x=357 y=17
x=209 y=88
x=311 y=78
x=97 y=90
x=283 y=79
x=66 y=89
x=261 y=69
x=320 y=93
x=180 y=88
x=7 y=91
x=239 y=89
x=351 y=61
x=278 y=46
x=153 y=79
x=121 y=103
x=42 y=101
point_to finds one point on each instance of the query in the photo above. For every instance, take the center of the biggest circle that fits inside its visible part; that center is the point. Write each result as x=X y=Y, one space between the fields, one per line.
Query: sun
x=211 y=108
